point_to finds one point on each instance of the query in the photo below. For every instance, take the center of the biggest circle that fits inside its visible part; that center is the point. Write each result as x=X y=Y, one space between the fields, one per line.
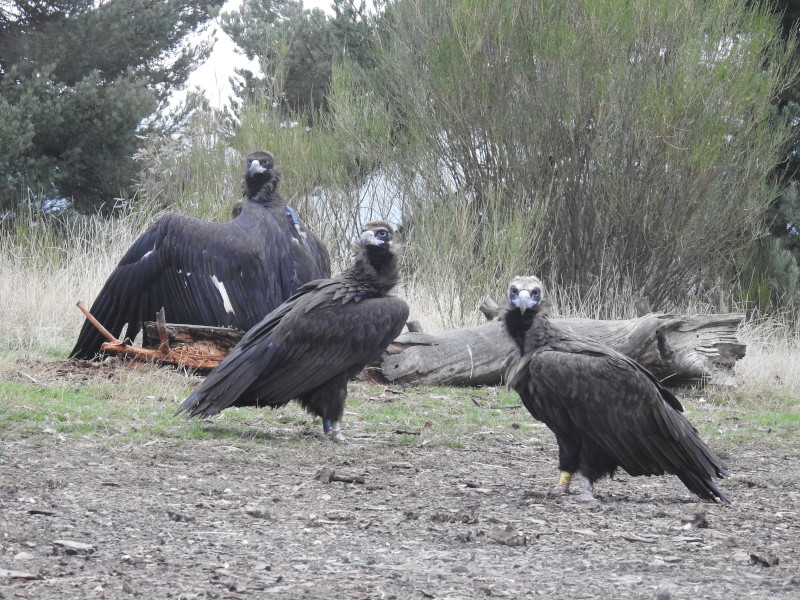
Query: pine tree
x=79 y=82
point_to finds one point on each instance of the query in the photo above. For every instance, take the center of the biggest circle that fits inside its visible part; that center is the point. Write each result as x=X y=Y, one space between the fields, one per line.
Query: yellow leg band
x=565 y=478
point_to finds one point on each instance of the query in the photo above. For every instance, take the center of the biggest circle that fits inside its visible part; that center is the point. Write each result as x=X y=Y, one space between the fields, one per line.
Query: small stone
x=401 y=465
x=509 y=536
x=764 y=561
x=23 y=556
x=666 y=591
x=12 y=574
x=72 y=547
x=325 y=475
x=179 y=517
x=731 y=541
x=257 y=512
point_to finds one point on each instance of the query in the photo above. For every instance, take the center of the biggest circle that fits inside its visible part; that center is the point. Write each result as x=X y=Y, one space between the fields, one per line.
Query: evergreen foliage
x=298 y=47
x=79 y=81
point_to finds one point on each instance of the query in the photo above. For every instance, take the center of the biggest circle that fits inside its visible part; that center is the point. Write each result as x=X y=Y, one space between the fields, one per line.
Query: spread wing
x=311 y=258
x=220 y=274
x=316 y=335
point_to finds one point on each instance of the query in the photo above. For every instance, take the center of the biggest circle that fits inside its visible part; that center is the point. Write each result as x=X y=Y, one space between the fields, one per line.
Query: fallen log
x=679 y=349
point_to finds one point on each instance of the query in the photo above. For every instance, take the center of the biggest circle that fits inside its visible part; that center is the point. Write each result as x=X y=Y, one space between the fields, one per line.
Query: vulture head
x=525 y=294
x=261 y=174
x=378 y=234
x=378 y=253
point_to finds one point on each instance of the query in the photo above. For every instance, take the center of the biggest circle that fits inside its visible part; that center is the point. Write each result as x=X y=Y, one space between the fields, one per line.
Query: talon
x=336 y=436
x=557 y=492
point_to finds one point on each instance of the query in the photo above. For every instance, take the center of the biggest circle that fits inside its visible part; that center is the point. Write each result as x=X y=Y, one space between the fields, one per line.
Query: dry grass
x=773 y=356
x=43 y=273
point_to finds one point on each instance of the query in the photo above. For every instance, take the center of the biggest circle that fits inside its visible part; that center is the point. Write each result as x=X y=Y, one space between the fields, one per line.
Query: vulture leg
x=586 y=495
x=562 y=489
x=569 y=451
x=327 y=401
x=333 y=430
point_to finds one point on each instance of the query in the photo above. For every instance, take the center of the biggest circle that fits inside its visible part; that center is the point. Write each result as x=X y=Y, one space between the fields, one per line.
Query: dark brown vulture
x=606 y=410
x=310 y=346
x=219 y=274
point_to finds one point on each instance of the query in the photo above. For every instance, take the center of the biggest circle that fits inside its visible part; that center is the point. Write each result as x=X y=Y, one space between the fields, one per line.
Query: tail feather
x=703 y=487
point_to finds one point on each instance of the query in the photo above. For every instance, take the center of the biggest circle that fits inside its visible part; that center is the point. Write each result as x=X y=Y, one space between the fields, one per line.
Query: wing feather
x=295 y=349
x=182 y=264
x=614 y=402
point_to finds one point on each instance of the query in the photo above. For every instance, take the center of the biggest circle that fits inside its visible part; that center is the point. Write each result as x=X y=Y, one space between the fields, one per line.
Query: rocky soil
x=287 y=514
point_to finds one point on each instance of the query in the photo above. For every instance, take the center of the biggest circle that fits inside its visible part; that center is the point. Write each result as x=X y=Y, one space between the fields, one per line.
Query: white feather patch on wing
x=226 y=302
x=146 y=254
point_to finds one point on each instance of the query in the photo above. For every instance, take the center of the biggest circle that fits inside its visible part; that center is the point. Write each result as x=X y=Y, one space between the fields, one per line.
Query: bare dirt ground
x=255 y=518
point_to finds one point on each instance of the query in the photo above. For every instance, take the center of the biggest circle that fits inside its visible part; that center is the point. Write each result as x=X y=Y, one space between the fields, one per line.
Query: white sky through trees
x=212 y=77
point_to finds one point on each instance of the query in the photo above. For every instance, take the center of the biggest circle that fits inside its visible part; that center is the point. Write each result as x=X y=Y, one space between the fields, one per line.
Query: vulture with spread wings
x=606 y=410
x=218 y=274
x=310 y=346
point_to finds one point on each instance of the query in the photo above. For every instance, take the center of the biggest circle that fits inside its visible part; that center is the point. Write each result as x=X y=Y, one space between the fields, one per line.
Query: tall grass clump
x=772 y=360
x=197 y=174
x=49 y=263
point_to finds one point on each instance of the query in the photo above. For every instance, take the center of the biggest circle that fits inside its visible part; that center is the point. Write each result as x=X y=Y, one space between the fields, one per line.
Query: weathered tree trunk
x=681 y=350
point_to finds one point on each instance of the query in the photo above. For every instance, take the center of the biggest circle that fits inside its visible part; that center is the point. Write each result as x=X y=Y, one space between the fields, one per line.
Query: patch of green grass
x=436 y=415
x=136 y=404
x=746 y=413
x=111 y=409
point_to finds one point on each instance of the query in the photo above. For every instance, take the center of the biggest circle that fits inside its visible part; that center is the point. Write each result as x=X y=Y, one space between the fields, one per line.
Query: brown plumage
x=220 y=274
x=606 y=410
x=310 y=346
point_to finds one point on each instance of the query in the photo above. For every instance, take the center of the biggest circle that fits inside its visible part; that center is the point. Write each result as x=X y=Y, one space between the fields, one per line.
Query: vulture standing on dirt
x=218 y=274
x=310 y=346
x=606 y=410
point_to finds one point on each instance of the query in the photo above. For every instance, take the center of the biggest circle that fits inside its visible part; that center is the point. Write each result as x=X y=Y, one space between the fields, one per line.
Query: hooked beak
x=255 y=167
x=368 y=239
x=524 y=301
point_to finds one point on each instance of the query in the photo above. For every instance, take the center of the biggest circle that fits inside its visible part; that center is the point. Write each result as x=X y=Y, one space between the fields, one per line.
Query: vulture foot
x=586 y=495
x=333 y=431
x=557 y=492
x=336 y=436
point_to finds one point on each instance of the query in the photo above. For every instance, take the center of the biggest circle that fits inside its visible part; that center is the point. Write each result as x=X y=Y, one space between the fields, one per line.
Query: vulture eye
x=513 y=291
x=535 y=292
